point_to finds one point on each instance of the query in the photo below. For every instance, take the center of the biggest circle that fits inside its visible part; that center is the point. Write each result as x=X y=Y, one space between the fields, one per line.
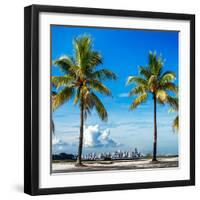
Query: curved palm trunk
x=79 y=161
x=155 y=131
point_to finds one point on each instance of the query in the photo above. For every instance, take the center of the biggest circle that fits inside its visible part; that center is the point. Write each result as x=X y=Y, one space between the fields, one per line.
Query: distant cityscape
x=117 y=155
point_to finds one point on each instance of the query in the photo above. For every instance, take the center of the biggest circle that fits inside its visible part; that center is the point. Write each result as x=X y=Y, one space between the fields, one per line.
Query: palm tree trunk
x=155 y=131
x=79 y=161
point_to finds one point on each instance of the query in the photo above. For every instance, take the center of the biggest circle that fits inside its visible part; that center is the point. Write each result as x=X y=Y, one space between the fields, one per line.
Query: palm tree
x=82 y=80
x=152 y=80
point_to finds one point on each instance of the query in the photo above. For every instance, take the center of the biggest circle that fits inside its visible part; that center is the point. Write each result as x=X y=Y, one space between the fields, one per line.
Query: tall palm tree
x=82 y=80
x=152 y=80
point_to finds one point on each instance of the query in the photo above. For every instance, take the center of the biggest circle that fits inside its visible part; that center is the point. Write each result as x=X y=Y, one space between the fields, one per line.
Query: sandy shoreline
x=62 y=167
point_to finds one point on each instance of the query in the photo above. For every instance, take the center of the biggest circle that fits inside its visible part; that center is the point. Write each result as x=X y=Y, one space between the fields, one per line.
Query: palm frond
x=101 y=111
x=77 y=96
x=138 y=90
x=175 y=124
x=82 y=44
x=155 y=63
x=173 y=102
x=65 y=80
x=159 y=66
x=87 y=111
x=62 y=97
x=169 y=87
x=93 y=59
x=65 y=63
x=99 y=87
x=136 y=79
x=168 y=76
x=138 y=100
x=86 y=57
x=104 y=74
x=152 y=61
x=145 y=71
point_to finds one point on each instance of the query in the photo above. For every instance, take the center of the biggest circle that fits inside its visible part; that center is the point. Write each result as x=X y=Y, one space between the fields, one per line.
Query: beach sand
x=163 y=162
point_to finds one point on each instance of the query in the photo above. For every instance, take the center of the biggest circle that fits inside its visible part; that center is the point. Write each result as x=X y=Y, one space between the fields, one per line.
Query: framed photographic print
x=109 y=100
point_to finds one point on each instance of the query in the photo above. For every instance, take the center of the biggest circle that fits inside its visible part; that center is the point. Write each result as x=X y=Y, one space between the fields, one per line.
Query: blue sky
x=123 y=51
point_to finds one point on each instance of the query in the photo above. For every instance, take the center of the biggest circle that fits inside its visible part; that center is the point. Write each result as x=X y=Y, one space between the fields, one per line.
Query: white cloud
x=105 y=134
x=94 y=137
x=123 y=95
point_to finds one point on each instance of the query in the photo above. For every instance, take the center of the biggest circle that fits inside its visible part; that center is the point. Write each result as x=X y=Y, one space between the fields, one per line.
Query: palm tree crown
x=152 y=80
x=81 y=80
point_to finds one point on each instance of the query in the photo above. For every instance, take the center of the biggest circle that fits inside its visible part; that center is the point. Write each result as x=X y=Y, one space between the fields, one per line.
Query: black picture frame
x=31 y=98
